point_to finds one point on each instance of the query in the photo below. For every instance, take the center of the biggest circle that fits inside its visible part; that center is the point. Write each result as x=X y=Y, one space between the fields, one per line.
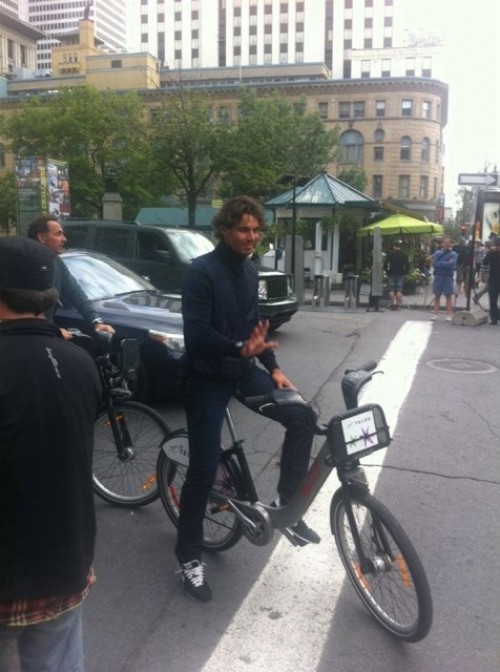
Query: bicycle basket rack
x=358 y=433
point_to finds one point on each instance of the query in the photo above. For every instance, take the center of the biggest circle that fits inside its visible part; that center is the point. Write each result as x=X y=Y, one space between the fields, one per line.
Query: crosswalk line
x=285 y=620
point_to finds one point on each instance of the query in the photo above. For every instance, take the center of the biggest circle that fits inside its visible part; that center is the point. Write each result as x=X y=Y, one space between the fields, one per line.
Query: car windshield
x=190 y=244
x=102 y=278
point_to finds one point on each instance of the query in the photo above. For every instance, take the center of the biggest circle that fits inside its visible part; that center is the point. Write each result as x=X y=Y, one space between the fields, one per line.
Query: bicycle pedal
x=295 y=541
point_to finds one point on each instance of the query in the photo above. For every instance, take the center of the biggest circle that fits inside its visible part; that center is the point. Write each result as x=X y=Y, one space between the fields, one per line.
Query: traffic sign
x=478 y=179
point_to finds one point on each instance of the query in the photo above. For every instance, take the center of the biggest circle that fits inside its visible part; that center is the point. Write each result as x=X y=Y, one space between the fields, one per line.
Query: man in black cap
x=49 y=398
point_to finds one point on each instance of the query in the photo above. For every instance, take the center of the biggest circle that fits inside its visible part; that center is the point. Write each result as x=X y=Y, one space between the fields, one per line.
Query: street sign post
x=478 y=179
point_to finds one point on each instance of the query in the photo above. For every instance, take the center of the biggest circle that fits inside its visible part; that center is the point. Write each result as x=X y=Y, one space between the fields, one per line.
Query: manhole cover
x=461 y=365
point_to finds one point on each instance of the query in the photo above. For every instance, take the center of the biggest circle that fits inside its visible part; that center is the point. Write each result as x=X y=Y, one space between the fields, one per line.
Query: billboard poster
x=58 y=188
x=42 y=187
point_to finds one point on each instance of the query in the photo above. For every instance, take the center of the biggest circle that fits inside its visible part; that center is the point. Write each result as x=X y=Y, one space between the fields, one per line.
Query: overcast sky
x=472 y=70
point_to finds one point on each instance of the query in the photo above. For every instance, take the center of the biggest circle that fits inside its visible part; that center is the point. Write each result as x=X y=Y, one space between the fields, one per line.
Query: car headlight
x=174 y=342
x=263 y=290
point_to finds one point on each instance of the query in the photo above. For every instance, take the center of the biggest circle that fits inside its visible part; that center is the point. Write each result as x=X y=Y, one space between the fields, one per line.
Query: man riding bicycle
x=228 y=353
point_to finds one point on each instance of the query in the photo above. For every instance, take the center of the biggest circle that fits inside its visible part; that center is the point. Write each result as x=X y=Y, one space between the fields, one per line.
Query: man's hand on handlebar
x=99 y=326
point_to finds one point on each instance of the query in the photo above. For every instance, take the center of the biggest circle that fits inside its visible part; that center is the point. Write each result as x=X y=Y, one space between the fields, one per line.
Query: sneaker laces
x=194 y=573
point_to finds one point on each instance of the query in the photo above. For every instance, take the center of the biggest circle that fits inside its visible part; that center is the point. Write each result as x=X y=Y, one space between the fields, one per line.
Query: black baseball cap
x=25 y=264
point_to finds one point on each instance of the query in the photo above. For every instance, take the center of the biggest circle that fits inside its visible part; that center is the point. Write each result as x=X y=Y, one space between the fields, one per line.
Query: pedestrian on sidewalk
x=492 y=260
x=396 y=265
x=50 y=395
x=444 y=262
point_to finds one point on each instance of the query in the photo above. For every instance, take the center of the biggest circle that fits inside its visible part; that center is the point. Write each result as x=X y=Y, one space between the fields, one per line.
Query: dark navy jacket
x=220 y=309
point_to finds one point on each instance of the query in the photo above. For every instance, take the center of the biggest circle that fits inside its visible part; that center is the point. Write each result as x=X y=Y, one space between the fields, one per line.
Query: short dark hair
x=35 y=301
x=39 y=225
x=233 y=211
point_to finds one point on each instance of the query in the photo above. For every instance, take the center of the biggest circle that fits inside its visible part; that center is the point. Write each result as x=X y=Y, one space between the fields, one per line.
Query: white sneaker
x=434 y=317
x=448 y=318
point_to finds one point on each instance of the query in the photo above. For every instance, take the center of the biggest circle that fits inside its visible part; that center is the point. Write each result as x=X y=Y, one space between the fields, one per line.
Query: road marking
x=286 y=618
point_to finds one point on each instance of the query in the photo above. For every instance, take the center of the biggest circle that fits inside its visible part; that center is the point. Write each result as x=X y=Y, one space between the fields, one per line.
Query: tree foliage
x=189 y=145
x=8 y=205
x=354 y=176
x=97 y=132
x=272 y=138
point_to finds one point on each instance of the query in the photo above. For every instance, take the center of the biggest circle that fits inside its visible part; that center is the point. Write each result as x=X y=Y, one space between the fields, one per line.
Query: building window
x=427 y=66
x=116 y=63
x=144 y=18
x=369 y=23
x=144 y=38
x=368 y=3
x=388 y=21
x=386 y=67
x=323 y=110
x=351 y=144
x=347 y=44
x=380 y=108
x=236 y=51
x=438 y=152
x=223 y=113
x=424 y=187
x=252 y=49
x=23 y=55
x=379 y=135
x=378 y=182
x=427 y=109
x=344 y=110
x=404 y=186
x=406 y=108
x=378 y=153
x=347 y=24
x=387 y=42
x=368 y=43
x=358 y=108
x=405 y=148
x=365 y=69
x=410 y=67
x=426 y=150
x=268 y=48
x=177 y=16
x=10 y=49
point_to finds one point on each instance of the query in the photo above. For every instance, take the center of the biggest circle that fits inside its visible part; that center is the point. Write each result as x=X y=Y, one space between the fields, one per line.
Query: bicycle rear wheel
x=130 y=480
x=221 y=528
x=392 y=585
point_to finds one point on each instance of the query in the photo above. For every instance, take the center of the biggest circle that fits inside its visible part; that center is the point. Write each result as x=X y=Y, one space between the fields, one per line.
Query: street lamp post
x=295 y=181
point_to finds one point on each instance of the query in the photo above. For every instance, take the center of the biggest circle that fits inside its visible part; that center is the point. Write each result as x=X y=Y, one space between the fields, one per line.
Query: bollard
x=351 y=298
x=321 y=291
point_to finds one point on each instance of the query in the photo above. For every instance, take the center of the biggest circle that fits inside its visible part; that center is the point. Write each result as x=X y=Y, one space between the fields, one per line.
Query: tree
x=465 y=215
x=274 y=137
x=8 y=205
x=189 y=145
x=97 y=132
x=354 y=176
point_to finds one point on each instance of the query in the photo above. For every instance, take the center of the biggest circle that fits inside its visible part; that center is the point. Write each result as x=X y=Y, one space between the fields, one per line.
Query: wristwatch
x=98 y=320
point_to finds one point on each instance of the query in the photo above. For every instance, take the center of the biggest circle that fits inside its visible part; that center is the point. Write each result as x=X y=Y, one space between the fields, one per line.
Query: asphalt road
x=440 y=477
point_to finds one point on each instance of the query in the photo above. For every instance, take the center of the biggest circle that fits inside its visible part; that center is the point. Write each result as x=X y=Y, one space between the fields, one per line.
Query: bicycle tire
x=131 y=482
x=221 y=528
x=396 y=592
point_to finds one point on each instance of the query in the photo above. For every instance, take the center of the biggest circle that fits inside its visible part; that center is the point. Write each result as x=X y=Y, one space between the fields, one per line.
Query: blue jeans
x=205 y=401
x=51 y=646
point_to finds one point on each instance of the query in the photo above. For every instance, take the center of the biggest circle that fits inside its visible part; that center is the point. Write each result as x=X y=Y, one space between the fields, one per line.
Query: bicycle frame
x=287 y=515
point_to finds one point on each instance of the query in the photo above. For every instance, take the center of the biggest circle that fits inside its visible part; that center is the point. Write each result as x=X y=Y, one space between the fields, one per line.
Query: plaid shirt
x=29 y=612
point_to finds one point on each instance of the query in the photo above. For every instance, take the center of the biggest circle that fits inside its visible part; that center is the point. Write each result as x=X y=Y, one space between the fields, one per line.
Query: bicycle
x=378 y=556
x=128 y=434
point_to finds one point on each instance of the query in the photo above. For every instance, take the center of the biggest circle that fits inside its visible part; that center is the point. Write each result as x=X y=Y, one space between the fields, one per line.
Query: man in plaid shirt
x=49 y=398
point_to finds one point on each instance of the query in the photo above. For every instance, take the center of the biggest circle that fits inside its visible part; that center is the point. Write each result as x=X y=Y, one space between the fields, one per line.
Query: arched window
x=351 y=143
x=405 y=148
x=426 y=150
x=379 y=135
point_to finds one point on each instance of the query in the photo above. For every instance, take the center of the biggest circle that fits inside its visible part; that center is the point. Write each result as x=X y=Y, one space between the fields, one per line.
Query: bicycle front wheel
x=221 y=528
x=391 y=581
x=126 y=475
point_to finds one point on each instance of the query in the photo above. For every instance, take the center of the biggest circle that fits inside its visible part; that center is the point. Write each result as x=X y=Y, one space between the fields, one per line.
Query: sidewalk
x=421 y=300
